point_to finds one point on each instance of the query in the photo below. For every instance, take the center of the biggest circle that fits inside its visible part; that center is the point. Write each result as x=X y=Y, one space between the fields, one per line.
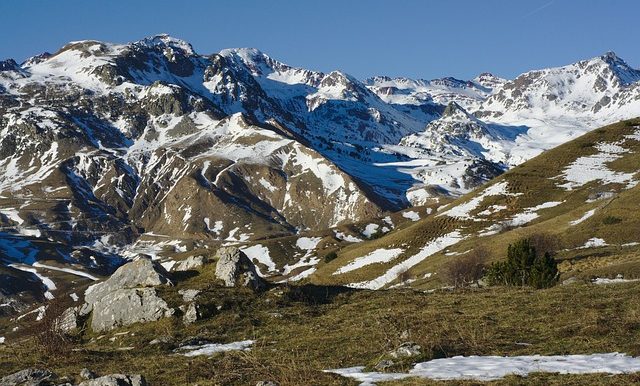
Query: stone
x=127 y=306
x=236 y=270
x=87 y=374
x=28 y=377
x=189 y=295
x=190 y=263
x=69 y=320
x=406 y=350
x=267 y=383
x=128 y=296
x=116 y=380
x=384 y=364
x=191 y=314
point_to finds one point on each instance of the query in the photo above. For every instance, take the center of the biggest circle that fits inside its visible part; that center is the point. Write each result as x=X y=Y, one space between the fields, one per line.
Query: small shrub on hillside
x=524 y=267
x=610 y=220
x=48 y=334
x=330 y=256
x=465 y=270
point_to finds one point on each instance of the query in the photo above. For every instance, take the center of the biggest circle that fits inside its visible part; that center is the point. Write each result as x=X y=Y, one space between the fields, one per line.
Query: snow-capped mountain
x=113 y=149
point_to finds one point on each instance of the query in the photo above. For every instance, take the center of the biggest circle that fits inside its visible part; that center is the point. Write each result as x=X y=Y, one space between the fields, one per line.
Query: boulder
x=69 y=320
x=191 y=313
x=190 y=263
x=141 y=272
x=87 y=374
x=236 y=270
x=189 y=295
x=32 y=377
x=127 y=306
x=116 y=380
x=128 y=296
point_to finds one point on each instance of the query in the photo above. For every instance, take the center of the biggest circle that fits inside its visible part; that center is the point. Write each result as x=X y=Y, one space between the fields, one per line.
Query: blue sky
x=420 y=39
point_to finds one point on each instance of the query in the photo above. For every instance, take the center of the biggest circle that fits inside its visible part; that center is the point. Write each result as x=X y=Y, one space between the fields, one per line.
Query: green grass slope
x=583 y=194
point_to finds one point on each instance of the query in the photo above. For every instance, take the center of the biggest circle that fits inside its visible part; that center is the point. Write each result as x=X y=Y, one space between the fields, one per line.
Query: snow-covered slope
x=123 y=148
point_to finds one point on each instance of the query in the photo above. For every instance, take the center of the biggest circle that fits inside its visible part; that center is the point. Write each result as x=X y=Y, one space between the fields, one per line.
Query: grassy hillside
x=301 y=331
x=579 y=191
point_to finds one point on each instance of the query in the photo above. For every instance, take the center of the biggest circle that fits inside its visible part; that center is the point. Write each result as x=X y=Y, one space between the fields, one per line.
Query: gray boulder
x=69 y=320
x=128 y=296
x=236 y=270
x=189 y=295
x=191 y=313
x=127 y=306
x=87 y=374
x=116 y=380
x=190 y=263
x=28 y=377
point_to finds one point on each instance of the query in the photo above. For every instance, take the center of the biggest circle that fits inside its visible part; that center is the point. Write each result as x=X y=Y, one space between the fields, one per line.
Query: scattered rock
x=236 y=270
x=161 y=340
x=406 y=350
x=189 y=295
x=570 y=280
x=116 y=380
x=87 y=374
x=191 y=314
x=69 y=320
x=267 y=383
x=190 y=263
x=384 y=364
x=28 y=377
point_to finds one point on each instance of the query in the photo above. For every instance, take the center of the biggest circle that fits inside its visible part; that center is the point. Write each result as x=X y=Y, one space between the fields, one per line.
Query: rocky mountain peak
x=164 y=42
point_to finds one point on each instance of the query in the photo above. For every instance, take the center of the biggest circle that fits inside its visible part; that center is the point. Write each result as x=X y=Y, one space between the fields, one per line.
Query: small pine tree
x=520 y=258
x=544 y=272
x=524 y=267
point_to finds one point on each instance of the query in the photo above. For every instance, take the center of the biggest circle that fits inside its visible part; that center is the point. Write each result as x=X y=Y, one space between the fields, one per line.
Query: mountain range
x=108 y=151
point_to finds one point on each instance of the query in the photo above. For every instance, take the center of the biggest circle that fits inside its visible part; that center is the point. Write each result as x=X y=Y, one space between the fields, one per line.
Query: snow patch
x=489 y=368
x=381 y=255
x=213 y=348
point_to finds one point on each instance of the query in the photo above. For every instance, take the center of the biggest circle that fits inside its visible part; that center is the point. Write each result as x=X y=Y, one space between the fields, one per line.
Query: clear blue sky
x=423 y=39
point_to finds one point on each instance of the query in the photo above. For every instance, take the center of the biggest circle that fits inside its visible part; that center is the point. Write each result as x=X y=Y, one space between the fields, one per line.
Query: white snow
x=346 y=237
x=308 y=243
x=462 y=211
x=411 y=215
x=261 y=254
x=51 y=286
x=370 y=230
x=381 y=255
x=67 y=270
x=594 y=242
x=594 y=168
x=2 y=339
x=584 y=217
x=618 y=280
x=212 y=348
x=392 y=274
x=488 y=368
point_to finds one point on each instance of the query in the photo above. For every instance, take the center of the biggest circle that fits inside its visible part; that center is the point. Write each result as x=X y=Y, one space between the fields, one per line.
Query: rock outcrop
x=28 y=377
x=236 y=270
x=116 y=380
x=128 y=296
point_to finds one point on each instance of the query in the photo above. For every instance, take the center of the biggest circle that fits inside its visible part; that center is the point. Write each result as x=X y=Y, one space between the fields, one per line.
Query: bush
x=465 y=270
x=524 y=267
x=610 y=220
x=330 y=256
x=49 y=336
